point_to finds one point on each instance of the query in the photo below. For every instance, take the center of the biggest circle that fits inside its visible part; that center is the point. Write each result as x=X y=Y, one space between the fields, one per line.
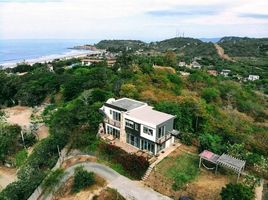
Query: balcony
x=164 y=138
x=112 y=122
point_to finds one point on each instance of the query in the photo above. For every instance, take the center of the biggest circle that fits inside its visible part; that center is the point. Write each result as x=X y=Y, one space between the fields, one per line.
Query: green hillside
x=186 y=46
x=244 y=47
x=121 y=45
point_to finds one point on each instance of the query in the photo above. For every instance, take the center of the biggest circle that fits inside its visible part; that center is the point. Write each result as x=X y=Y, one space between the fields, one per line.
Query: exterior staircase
x=148 y=172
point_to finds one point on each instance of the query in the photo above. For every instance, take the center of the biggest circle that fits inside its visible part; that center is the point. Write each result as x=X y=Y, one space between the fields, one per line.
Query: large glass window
x=147 y=130
x=161 y=131
x=129 y=124
x=114 y=132
x=116 y=116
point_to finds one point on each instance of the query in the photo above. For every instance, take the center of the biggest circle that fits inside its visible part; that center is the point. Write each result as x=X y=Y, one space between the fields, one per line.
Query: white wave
x=48 y=58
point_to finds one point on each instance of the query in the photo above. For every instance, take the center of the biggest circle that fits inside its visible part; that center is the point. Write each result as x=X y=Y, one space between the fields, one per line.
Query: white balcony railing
x=164 y=138
x=112 y=122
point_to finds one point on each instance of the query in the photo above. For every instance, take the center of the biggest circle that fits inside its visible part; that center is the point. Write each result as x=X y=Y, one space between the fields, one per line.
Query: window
x=137 y=127
x=161 y=131
x=129 y=124
x=114 y=132
x=116 y=116
x=111 y=112
x=147 y=130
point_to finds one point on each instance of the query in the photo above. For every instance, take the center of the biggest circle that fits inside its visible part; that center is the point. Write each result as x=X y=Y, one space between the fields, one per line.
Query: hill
x=244 y=47
x=120 y=45
x=185 y=46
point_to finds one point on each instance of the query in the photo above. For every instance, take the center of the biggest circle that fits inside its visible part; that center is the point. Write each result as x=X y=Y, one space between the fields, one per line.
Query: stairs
x=148 y=172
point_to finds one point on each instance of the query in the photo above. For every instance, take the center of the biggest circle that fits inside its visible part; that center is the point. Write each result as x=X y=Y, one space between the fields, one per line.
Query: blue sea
x=15 y=51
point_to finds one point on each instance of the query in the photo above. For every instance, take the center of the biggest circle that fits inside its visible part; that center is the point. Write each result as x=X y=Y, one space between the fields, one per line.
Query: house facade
x=253 y=77
x=138 y=124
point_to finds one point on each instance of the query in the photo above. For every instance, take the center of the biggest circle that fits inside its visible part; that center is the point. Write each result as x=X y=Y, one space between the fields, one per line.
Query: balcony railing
x=112 y=122
x=164 y=138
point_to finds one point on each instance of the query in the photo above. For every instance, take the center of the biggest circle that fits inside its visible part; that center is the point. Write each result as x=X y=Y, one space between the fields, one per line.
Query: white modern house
x=225 y=72
x=253 y=77
x=138 y=124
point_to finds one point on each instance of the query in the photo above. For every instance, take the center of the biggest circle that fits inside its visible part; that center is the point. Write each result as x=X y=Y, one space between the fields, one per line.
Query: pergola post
x=216 y=170
x=238 y=175
x=200 y=160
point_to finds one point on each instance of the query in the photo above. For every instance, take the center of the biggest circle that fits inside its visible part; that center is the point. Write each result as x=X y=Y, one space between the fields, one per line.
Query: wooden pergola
x=224 y=160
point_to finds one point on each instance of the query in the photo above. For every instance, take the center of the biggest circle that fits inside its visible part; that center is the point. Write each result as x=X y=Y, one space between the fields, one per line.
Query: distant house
x=184 y=73
x=253 y=77
x=86 y=62
x=212 y=72
x=50 y=68
x=89 y=61
x=225 y=72
x=196 y=65
x=182 y=64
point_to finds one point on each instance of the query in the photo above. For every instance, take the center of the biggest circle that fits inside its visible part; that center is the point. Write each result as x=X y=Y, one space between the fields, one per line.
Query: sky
x=147 y=20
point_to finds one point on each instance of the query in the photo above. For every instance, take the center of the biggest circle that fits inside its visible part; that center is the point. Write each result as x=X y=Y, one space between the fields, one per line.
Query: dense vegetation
x=214 y=113
x=237 y=191
x=245 y=47
x=135 y=166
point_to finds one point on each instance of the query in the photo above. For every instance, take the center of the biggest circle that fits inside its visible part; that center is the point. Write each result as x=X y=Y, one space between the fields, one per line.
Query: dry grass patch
x=200 y=184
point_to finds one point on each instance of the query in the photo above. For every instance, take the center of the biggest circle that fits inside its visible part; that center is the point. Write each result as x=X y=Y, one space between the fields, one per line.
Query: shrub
x=210 y=94
x=237 y=191
x=186 y=138
x=21 y=157
x=82 y=179
x=134 y=165
x=52 y=180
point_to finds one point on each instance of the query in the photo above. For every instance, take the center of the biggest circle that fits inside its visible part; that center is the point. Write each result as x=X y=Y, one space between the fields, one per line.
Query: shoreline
x=48 y=58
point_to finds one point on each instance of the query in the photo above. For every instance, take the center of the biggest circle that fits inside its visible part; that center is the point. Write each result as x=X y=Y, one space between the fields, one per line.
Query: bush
x=186 y=138
x=237 y=192
x=210 y=94
x=21 y=157
x=82 y=179
x=52 y=180
x=134 y=165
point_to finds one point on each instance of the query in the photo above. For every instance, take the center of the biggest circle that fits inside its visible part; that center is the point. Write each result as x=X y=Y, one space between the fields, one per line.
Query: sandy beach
x=44 y=59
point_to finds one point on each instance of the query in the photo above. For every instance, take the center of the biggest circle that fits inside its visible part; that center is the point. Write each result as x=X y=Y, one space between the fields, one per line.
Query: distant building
x=86 y=62
x=182 y=64
x=253 y=77
x=50 y=68
x=184 y=73
x=212 y=72
x=196 y=65
x=225 y=72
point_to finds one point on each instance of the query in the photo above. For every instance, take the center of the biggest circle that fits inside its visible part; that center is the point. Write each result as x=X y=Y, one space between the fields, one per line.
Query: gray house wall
x=168 y=124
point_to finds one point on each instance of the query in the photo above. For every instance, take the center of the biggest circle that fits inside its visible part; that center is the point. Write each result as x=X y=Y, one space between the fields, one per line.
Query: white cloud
x=99 y=19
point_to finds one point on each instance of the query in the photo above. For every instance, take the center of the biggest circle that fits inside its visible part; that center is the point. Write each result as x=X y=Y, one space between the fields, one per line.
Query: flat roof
x=149 y=115
x=127 y=104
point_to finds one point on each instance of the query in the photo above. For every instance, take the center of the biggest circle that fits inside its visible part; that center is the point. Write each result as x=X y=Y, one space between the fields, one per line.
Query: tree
x=210 y=94
x=171 y=59
x=237 y=192
x=9 y=135
x=211 y=142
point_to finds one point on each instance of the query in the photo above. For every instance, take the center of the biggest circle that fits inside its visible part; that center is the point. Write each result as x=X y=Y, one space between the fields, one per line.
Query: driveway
x=133 y=190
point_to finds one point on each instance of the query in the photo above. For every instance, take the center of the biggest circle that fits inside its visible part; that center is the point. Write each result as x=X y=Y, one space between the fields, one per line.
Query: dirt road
x=221 y=53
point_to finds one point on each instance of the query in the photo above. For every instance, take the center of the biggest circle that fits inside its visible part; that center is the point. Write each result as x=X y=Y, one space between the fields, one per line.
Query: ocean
x=15 y=51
